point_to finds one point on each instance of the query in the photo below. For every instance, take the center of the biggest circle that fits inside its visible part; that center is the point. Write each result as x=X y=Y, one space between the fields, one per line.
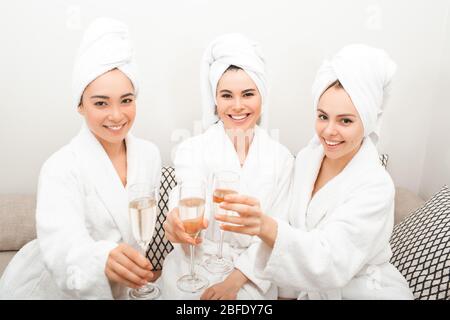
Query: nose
x=116 y=113
x=238 y=105
x=330 y=129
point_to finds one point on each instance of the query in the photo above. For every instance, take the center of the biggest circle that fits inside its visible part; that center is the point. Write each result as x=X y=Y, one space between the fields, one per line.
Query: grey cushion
x=5 y=258
x=17 y=221
x=421 y=248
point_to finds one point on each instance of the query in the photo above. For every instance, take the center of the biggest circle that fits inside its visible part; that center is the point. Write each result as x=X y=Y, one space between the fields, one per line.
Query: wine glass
x=143 y=212
x=191 y=208
x=224 y=182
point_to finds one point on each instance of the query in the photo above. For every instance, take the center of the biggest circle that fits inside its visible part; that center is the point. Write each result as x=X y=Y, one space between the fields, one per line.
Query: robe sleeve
x=75 y=261
x=329 y=256
x=278 y=208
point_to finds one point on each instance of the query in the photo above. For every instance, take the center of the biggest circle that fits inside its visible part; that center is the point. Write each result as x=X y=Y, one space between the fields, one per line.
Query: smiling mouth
x=331 y=143
x=116 y=127
x=239 y=117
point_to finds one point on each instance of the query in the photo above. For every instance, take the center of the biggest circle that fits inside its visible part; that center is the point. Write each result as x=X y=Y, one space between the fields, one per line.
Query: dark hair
x=233 y=67
x=337 y=84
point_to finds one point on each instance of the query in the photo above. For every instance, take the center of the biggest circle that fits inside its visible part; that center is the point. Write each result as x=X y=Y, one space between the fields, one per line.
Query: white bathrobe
x=266 y=175
x=337 y=243
x=81 y=215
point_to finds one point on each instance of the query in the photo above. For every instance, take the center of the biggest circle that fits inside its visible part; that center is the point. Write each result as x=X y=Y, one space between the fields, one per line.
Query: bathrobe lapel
x=103 y=176
x=329 y=196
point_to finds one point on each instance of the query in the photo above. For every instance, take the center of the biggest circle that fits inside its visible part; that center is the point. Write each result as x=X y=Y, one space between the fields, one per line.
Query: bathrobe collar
x=103 y=176
x=230 y=150
x=330 y=194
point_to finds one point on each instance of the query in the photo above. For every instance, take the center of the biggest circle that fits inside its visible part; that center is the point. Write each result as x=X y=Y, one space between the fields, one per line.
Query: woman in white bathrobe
x=336 y=243
x=84 y=247
x=233 y=78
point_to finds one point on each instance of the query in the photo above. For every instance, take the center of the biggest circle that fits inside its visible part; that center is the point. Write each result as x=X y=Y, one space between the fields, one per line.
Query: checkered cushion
x=384 y=159
x=421 y=248
x=160 y=247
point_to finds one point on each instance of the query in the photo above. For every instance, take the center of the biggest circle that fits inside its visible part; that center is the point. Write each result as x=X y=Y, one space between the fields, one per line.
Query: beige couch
x=17 y=220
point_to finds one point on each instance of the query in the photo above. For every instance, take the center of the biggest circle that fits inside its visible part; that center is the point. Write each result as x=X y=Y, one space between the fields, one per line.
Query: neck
x=114 y=150
x=337 y=165
x=241 y=141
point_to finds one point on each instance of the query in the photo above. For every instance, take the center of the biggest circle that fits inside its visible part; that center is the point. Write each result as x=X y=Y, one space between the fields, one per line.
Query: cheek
x=94 y=117
x=355 y=136
x=256 y=107
x=319 y=127
x=220 y=110
x=131 y=113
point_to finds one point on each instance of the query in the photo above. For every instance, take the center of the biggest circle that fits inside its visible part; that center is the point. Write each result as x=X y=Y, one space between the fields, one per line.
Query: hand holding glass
x=224 y=182
x=191 y=209
x=143 y=212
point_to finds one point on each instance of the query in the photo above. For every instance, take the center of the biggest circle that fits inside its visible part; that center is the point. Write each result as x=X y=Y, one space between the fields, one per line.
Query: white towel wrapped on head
x=365 y=74
x=230 y=49
x=105 y=46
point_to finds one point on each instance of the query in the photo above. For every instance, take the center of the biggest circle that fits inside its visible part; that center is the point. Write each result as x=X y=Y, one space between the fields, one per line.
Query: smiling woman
x=238 y=100
x=84 y=247
x=109 y=108
x=335 y=244
x=233 y=145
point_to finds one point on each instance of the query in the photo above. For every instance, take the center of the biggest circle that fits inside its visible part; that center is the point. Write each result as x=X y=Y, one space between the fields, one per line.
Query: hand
x=251 y=220
x=127 y=266
x=227 y=289
x=175 y=231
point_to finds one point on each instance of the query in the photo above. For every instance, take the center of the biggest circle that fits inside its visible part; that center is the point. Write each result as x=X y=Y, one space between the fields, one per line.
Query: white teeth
x=115 y=128
x=332 y=143
x=238 y=117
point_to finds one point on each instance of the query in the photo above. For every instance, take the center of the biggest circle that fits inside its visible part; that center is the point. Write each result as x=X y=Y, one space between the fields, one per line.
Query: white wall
x=41 y=38
x=436 y=171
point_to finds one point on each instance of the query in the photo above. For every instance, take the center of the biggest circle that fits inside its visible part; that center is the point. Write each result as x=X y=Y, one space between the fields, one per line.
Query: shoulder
x=274 y=145
x=308 y=152
x=374 y=187
x=61 y=162
x=198 y=142
x=147 y=147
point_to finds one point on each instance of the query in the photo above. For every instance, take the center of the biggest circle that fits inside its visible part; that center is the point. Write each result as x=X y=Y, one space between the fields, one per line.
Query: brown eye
x=127 y=101
x=226 y=96
x=100 y=103
x=322 y=117
x=346 y=121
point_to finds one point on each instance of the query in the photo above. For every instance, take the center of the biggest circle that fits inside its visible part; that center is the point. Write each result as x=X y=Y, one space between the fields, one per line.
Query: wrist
x=268 y=231
x=236 y=279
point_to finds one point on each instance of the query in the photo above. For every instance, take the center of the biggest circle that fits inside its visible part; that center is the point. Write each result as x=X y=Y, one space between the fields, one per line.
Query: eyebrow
x=106 y=97
x=243 y=91
x=339 y=115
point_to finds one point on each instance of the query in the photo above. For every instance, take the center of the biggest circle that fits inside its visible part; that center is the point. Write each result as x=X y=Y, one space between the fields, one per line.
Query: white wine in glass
x=191 y=208
x=143 y=211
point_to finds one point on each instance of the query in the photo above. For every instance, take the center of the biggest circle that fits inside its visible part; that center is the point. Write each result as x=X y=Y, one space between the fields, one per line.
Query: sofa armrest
x=17 y=221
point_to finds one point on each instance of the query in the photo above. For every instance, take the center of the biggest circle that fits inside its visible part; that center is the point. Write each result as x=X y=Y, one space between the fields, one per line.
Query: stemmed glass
x=224 y=182
x=191 y=207
x=143 y=199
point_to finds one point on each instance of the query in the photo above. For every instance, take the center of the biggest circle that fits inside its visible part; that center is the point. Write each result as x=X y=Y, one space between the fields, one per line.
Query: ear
x=80 y=109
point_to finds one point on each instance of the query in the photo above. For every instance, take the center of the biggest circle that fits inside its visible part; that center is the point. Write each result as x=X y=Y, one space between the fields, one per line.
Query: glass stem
x=149 y=287
x=220 y=244
x=192 y=249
